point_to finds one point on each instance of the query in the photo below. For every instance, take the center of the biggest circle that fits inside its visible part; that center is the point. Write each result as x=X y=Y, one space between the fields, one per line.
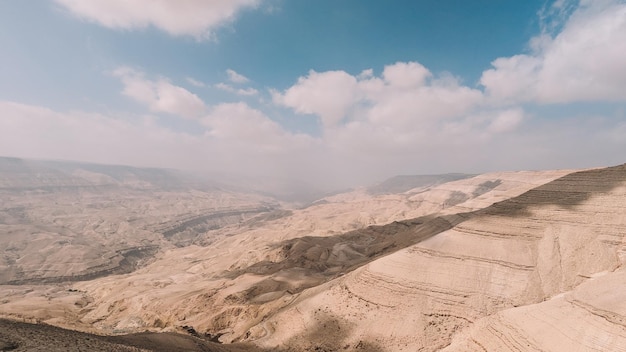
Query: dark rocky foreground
x=21 y=337
x=28 y=337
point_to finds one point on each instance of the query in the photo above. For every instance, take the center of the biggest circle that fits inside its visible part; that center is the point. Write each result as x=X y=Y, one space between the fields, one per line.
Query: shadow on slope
x=296 y=264
x=329 y=334
x=18 y=337
x=21 y=336
x=326 y=335
x=566 y=192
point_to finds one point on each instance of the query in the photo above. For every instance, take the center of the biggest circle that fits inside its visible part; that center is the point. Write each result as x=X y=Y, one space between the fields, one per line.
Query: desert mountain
x=510 y=261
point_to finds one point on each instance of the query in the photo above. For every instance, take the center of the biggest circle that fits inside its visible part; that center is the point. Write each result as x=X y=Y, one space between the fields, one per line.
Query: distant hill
x=20 y=175
x=45 y=175
x=403 y=183
x=69 y=221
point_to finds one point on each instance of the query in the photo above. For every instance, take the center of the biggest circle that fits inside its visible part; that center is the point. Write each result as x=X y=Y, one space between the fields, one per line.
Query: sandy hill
x=511 y=261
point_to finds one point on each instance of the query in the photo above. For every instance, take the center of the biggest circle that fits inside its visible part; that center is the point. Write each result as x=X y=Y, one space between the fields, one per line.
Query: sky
x=329 y=93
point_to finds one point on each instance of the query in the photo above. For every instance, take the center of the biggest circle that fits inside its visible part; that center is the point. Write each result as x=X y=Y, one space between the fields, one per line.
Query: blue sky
x=334 y=93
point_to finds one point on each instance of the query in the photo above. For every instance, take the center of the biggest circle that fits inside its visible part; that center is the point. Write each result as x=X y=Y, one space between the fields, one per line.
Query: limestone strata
x=251 y=271
x=320 y=277
x=592 y=317
x=484 y=282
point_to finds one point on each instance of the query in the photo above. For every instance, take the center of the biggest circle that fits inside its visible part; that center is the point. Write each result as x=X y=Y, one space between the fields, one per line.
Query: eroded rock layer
x=512 y=277
x=253 y=270
x=495 y=262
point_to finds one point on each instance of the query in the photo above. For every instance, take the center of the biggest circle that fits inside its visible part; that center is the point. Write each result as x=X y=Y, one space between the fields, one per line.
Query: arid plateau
x=115 y=258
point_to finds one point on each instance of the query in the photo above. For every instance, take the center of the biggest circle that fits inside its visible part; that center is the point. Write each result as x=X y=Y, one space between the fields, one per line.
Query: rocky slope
x=539 y=272
x=512 y=261
x=250 y=271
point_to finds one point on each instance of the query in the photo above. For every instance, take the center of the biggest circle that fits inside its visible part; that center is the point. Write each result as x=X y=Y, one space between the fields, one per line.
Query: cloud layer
x=197 y=18
x=583 y=62
x=398 y=119
x=405 y=100
x=160 y=95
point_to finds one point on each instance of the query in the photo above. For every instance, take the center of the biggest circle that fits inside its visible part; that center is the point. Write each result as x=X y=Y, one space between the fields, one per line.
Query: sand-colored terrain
x=511 y=261
x=538 y=272
x=65 y=222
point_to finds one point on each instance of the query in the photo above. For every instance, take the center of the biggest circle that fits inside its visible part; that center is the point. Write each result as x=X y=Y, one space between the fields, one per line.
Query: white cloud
x=512 y=79
x=406 y=74
x=238 y=91
x=38 y=132
x=418 y=106
x=483 y=125
x=160 y=95
x=553 y=15
x=585 y=61
x=225 y=87
x=195 y=82
x=241 y=123
x=236 y=77
x=238 y=139
x=406 y=96
x=247 y=91
x=196 y=18
x=328 y=94
x=506 y=120
x=403 y=120
x=367 y=73
x=406 y=118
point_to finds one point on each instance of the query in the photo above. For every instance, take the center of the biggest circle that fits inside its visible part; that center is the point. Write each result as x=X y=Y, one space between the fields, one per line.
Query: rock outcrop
x=256 y=269
x=512 y=261
x=539 y=272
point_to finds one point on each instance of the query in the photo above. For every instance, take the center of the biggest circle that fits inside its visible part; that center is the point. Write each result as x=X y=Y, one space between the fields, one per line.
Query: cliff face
x=541 y=271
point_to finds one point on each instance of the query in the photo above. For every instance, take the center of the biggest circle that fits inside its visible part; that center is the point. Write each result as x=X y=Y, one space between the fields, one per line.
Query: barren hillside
x=64 y=221
x=538 y=272
x=502 y=261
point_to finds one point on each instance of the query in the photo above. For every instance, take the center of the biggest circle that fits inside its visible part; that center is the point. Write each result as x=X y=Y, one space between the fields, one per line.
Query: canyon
x=151 y=259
